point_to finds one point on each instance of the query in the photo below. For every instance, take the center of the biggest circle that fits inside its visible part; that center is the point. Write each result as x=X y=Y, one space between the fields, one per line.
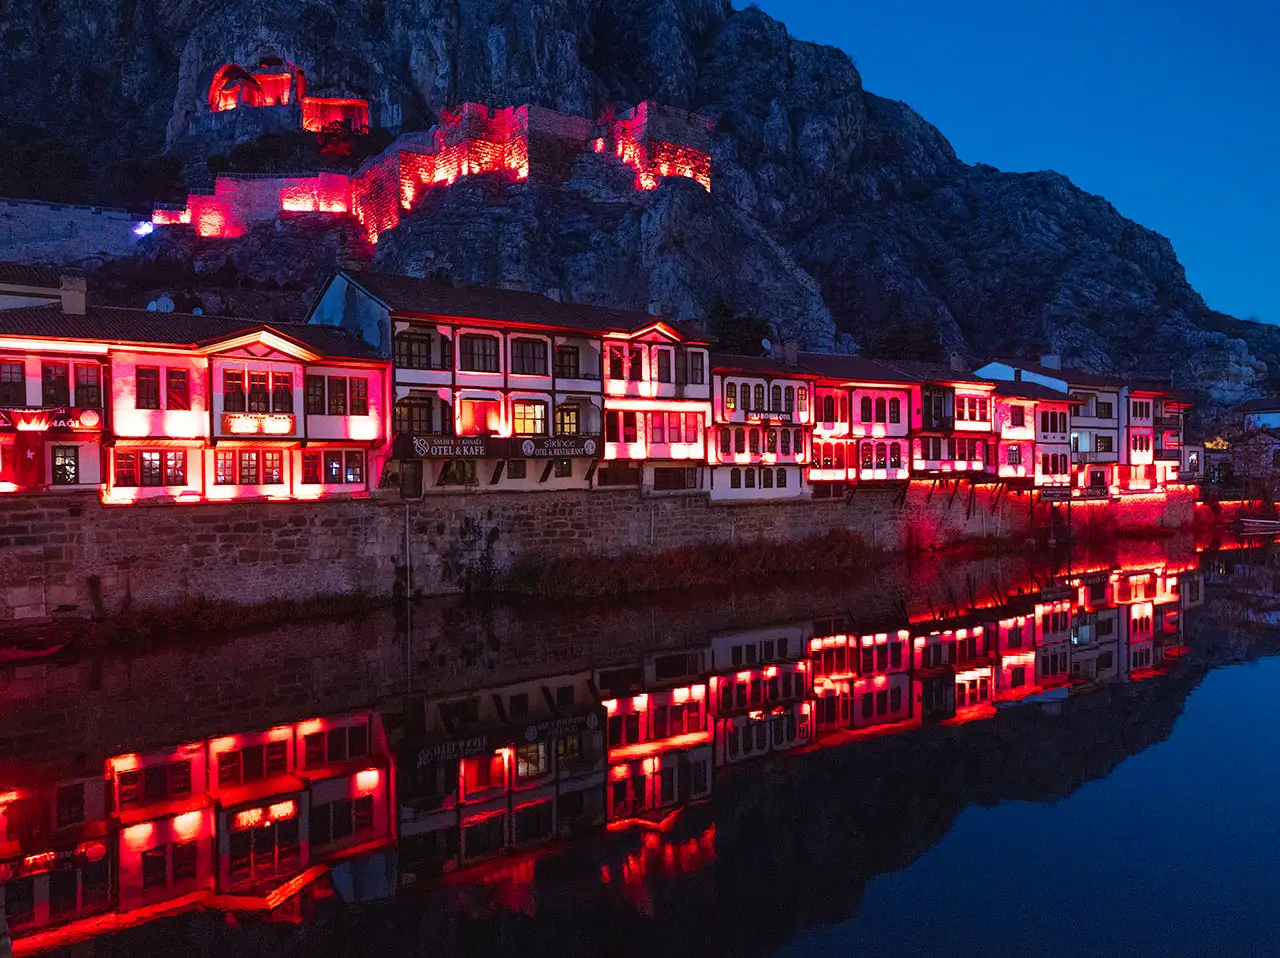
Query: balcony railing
x=1088 y=457
x=1169 y=455
x=1168 y=422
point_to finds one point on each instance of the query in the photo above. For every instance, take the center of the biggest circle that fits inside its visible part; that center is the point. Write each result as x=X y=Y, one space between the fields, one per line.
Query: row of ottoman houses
x=432 y=388
x=245 y=818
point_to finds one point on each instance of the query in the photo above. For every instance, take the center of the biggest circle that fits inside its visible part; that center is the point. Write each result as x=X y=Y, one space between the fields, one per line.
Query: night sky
x=1168 y=108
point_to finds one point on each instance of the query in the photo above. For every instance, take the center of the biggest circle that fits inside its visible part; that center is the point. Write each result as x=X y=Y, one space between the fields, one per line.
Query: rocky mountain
x=842 y=217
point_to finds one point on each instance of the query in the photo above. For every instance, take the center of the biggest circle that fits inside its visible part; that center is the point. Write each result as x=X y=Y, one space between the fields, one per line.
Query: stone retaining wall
x=68 y=554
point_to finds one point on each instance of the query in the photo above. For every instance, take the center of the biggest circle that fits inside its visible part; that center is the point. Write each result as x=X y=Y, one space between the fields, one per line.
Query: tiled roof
x=1026 y=390
x=411 y=294
x=113 y=324
x=763 y=365
x=24 y=274
x=839 y=366
x=862 y=369
x=1070 y=375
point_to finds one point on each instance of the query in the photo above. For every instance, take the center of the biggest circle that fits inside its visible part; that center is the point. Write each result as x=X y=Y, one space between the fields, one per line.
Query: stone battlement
x=513 y=142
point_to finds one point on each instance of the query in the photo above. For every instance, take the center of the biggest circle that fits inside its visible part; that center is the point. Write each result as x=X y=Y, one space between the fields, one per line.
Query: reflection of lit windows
x=532 y=761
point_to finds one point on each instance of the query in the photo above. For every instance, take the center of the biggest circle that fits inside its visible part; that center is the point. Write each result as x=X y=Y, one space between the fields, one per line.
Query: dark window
x=359 y=397
x=20 y=901
x=233 y=390
x=311 y=468
x=337 y=405
x=62 y=892
x=185 y=856
x=517 y=469
x=333 y=468
x=259 y=395
x=315 y=396
x=148 y=388
x=529 y=357
x=13 y=384
x=413 y=416
x=674 y=478
x=126 y=469
x=664 y=366
x=895 y=410
x=282 y=392
x=413 y=351
x=567 y=362
x=88 y=386
x=362 y=813
x=55 y=385
x=66 y=465
x=155 y=867
x=70 y=805
x=177 y=388
x=697 y=368
x=564 y=469
x=355 y=467
x=479 y=354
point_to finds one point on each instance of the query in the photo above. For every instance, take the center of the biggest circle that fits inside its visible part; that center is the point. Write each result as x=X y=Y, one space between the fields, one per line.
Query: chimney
x=553 y=294
x=791 y=352
x=655 y=307
x=515 y=284
x=1051 y=361
x=73 y=295
x=958 y=364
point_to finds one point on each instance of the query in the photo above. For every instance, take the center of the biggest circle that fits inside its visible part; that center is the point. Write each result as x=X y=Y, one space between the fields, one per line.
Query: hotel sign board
x=1055 y=493
x=552 y=447
x=62 y=419
x=258 y=424
x=444 y=447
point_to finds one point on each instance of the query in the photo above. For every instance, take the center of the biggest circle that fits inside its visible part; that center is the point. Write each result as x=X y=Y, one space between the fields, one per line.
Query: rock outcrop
x=841 y=216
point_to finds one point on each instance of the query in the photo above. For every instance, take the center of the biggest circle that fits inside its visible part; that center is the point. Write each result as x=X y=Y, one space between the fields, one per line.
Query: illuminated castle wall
x=512 y=142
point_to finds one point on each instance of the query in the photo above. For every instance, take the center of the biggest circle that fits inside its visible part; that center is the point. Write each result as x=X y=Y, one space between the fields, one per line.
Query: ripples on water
x=810 y=766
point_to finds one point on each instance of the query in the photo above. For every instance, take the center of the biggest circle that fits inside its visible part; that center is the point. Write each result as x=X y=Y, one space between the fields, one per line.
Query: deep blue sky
x=1168 y=108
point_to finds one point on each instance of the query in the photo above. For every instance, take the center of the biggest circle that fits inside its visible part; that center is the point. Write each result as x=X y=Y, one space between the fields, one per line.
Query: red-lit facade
x=759 y=445
x=203 y=410
x=468 y=140
x=242 y=820
x=232 y=822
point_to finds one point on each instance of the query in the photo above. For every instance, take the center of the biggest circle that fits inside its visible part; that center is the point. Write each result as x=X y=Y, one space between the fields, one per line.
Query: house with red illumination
x=1126 y=436
x=140 y=404
x=862 y=422
x=500 y=771
x=759 y=692
x=762 y=413
x=506 y=390
x=1033 y=423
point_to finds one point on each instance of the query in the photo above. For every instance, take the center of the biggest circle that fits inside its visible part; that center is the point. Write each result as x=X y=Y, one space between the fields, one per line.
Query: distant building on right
x=1126 y=435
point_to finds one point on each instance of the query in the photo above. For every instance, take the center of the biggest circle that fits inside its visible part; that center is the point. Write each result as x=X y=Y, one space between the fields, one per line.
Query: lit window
x=66 y=465
x=530 y=418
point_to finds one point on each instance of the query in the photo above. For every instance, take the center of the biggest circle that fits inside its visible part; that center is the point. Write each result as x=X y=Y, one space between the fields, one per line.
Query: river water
x=1030 y=755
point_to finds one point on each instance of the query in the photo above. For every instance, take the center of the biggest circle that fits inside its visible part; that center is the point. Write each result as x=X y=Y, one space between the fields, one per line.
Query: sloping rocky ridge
x=814 y=178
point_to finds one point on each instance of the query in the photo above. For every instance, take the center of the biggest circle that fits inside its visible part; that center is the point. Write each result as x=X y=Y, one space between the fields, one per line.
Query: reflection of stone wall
x=132 y=700
x=52 y=548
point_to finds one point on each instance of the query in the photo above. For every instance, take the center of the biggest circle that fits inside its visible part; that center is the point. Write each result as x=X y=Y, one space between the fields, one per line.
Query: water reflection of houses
x=238 y=821
x=508 y=767
x=627 y=734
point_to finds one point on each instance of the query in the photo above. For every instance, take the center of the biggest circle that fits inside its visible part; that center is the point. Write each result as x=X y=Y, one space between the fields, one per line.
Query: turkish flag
x=23 y=462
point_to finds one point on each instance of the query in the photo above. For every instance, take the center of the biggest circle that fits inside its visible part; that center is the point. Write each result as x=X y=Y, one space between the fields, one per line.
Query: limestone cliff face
x=841 y=216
